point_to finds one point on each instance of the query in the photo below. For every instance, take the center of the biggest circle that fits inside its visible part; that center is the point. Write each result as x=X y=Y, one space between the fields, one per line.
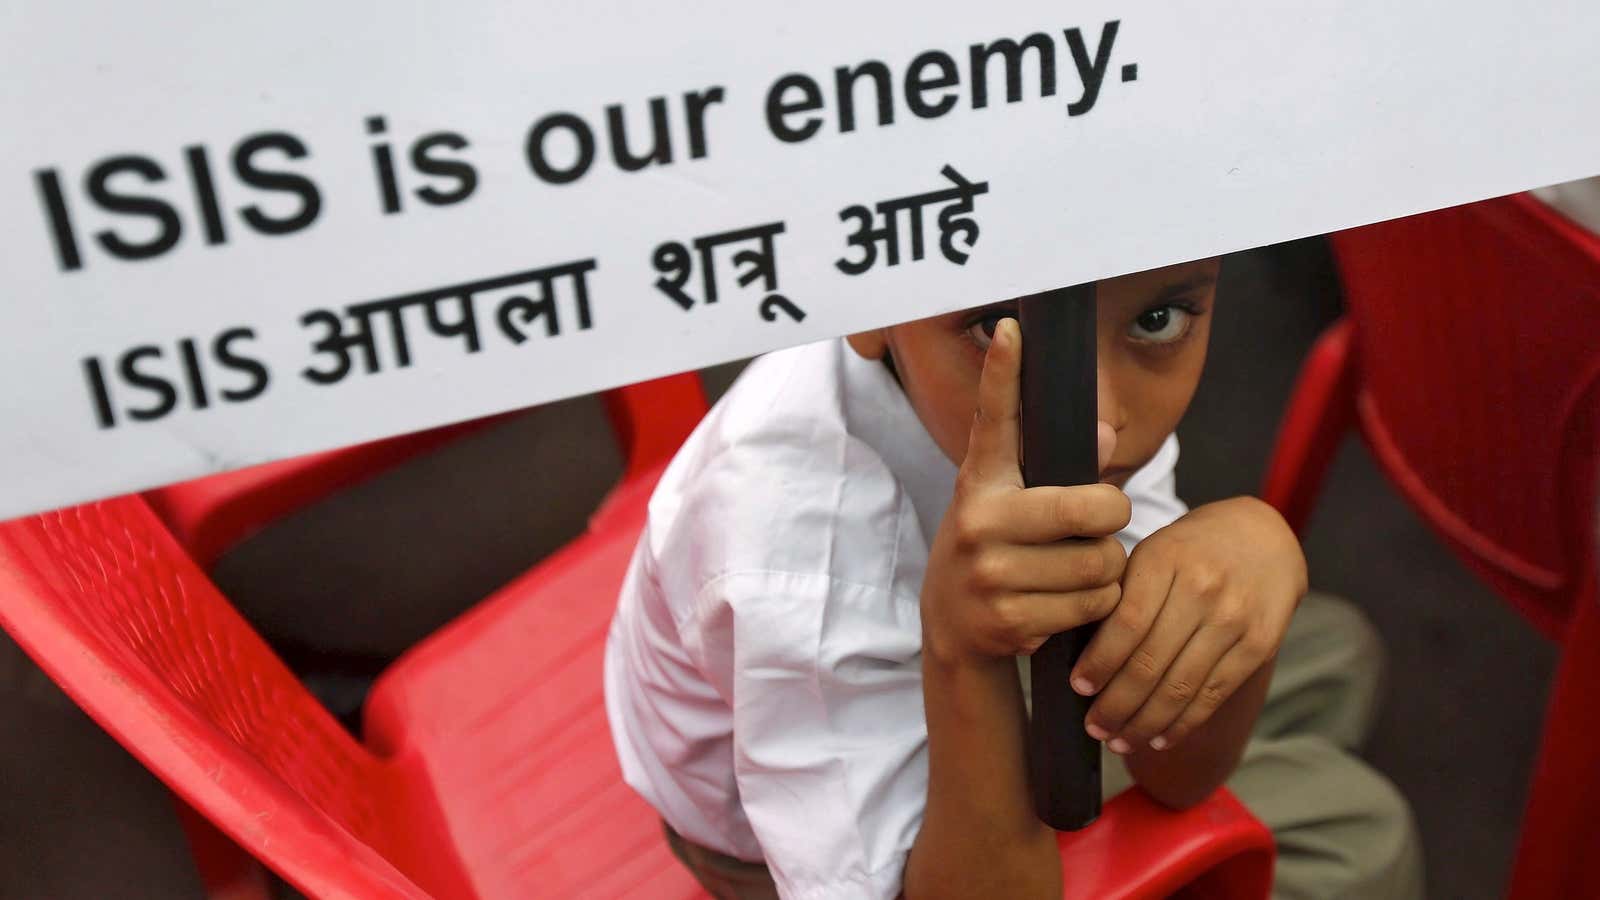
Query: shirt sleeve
x=830 y=744
x=1153 y=493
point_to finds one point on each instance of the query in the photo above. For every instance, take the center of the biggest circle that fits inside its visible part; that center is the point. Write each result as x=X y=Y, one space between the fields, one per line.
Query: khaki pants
x=1342 y=829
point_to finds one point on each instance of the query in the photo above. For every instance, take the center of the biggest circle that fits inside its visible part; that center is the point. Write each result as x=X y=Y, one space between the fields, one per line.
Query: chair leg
x=226 y=871
x=1321 y=410
x=1556 y=855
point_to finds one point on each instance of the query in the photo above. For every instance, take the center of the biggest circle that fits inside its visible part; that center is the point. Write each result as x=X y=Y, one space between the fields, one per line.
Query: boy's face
x=1152 y=333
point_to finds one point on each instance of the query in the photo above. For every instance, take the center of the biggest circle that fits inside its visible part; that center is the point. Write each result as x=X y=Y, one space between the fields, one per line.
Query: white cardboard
x=1246 y=122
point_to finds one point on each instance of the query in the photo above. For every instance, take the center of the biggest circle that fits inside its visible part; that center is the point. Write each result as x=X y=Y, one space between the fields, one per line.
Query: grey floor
x=347 y=585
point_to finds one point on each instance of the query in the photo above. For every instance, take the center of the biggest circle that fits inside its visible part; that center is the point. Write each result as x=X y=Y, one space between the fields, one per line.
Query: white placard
x=235 y=233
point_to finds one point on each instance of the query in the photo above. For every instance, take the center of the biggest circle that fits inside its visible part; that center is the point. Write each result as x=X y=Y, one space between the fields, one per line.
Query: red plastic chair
x=488 y=769
x=212 y=514
x=1470 y=364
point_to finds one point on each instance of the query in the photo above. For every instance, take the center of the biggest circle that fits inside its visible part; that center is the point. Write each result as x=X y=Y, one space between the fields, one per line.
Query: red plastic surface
x=1473 y=369
x=502 y=713
x=226 y=872
x=108 y=604
x=1475 y=348
x=489 y=770
x=1140 y=849
x=1556 y=853
x=652 y=419
x=1321 y=411
x=211 y=514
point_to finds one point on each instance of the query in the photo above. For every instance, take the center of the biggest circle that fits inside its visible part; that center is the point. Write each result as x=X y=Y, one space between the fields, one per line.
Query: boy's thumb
x=1108 y=444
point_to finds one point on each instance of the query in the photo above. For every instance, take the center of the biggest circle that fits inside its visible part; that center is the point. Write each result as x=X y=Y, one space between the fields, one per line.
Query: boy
x=811 y=672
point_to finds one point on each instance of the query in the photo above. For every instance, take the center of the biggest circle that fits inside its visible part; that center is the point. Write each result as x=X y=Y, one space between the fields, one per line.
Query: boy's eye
x=1161 y=325
x=982 y=330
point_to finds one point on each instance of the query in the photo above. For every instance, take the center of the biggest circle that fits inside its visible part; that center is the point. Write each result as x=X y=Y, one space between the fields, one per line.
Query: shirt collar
x=878 y=413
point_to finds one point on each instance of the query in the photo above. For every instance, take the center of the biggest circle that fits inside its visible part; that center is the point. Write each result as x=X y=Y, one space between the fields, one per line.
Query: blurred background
x=346 y=586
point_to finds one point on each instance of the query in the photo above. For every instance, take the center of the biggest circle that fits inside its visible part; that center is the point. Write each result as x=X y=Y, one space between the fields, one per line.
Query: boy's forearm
x=1184 y=775
x=979 y=836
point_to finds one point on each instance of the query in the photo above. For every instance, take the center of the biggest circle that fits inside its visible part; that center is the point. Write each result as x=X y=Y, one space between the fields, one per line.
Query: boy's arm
x=1183 y=663
x=1000 y=580
x=979 y=837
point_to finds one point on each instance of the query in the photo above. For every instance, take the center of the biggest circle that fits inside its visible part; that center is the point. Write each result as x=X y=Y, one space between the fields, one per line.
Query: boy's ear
x=870 y=345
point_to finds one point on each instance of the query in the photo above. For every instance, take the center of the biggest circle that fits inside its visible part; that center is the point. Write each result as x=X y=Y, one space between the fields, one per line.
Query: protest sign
x=236 y=233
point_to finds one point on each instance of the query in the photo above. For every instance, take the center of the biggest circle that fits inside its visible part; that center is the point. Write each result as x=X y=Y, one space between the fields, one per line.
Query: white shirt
x=762 y=673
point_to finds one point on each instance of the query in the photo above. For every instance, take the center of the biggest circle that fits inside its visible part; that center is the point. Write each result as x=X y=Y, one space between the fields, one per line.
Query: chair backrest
x=653 y=418
x=210 y=515
x=1478 y=364
x=116 y=610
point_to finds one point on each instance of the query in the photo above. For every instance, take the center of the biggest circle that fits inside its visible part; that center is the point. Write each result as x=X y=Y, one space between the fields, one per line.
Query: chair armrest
x=1140 y=849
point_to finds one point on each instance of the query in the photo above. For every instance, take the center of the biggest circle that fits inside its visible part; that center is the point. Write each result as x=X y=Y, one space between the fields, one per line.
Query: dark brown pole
x=1060 y=447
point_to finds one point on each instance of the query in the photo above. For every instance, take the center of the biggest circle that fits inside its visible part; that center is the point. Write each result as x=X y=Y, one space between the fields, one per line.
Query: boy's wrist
x=957 y=664
x=941 y=653
x=950 y=654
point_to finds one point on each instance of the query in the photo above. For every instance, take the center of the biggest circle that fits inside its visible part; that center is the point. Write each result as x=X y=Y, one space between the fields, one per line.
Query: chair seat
x=502 y=714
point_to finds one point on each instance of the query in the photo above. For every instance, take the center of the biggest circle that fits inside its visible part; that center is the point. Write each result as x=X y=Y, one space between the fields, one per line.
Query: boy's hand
x=1205 y=604
x=1000 y=577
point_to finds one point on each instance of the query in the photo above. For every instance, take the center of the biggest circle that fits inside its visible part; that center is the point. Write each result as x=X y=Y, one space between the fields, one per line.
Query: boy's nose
x=1106 y=437
x=1106 y=399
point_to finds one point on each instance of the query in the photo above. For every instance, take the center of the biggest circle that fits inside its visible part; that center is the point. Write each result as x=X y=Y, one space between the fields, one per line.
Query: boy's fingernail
x=1096 y=732
x=1120 y=747
x=1158 y=743
x=1083 y=685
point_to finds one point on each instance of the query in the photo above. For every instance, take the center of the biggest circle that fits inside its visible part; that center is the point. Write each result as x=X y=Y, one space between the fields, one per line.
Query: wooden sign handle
x=1060 y=447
